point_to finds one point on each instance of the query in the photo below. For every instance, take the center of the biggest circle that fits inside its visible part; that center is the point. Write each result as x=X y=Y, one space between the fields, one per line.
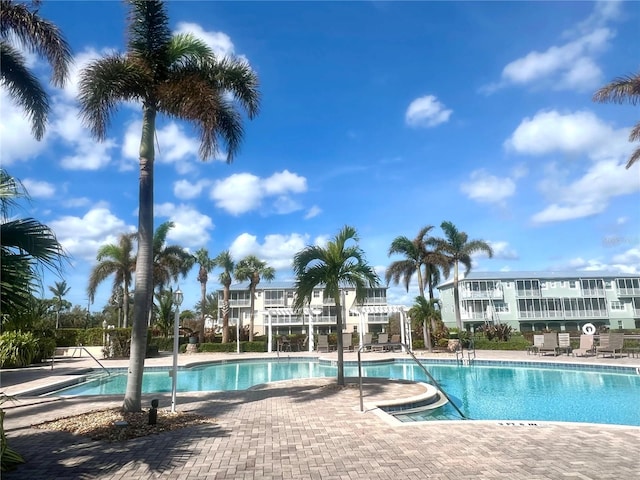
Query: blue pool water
x=481 y=392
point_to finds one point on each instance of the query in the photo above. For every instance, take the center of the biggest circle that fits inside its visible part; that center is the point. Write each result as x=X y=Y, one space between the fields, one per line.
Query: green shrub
x=253 y=346
x=66 y=337
x=217 y=347
x=46 y=348
x=17 y=349
x=164 y=344
x=418 y=343
x=515 y=343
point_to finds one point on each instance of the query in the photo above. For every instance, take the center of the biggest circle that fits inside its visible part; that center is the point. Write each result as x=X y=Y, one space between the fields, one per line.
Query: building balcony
x=494 y=294
x=529 y=293
x=541 y=314
x=473 y=315
x=240 y=303
x=375 y=301
x=274 y=302
x=628 y=292
x=585 y=313
x=593 y=292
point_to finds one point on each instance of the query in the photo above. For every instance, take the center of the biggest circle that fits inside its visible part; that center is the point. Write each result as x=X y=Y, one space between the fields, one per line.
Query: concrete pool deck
x=304 y=430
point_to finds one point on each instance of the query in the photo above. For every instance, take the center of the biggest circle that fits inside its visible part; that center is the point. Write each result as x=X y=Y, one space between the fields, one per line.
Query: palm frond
x=29 y=236
x=24 y=88
x=635 y=156
x=148 y=32
x=620 y=90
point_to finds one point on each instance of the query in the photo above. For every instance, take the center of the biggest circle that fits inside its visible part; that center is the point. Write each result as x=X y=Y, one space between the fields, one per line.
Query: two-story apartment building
x=533 y=301
x=273 y=306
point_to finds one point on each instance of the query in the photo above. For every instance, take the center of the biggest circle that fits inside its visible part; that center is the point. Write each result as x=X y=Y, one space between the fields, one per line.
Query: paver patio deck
x=305 y=430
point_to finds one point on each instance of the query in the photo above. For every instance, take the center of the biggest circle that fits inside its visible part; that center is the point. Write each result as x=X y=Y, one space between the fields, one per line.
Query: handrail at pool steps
x=81 y=348
x=435 y=382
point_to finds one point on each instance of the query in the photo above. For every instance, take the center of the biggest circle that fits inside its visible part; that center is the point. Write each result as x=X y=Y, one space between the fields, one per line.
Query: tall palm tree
x=179 y=76
x=457 y=248
x=226 y=263
x=206 y=264
x=620 y=90
x=170 y=262
x=59 y=290
x=253 y=269
x=22 y=23
x=425 y=313
x=340 y=263
x=26 y=245
x=119 y=261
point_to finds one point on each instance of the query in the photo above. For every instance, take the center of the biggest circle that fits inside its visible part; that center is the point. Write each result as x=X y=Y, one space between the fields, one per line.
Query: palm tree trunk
x=225 y=314
x=456 y=297
x=339 y=341
x=252 y=306
x=203 y=299
x=144 y=277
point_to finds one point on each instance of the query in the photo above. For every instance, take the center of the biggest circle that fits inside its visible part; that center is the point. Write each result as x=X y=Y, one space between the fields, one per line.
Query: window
x=572 y=284
x=617 y=305
x=607 y=284
x=501 y=307
x=316 y=294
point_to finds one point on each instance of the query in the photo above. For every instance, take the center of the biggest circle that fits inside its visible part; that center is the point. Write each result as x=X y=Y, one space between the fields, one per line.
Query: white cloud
x=570 y=65
x=626 y=262
x=314 y=211
x=16 y=138
x=38 y=189
x=277 y=250
x=426 y=111
x=80 y=61
x=185 y=190
x=589 y=194
x=191 y=228
x=502 y=250
x=219 y=42
x=243 y=192
x=82 y=236
x=484 y=187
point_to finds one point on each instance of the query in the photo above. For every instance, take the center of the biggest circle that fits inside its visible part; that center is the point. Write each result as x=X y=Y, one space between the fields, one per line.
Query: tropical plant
x=170 y=262
x=457 y=248
x=340 y=263
x=253 y=269
x=17 y=349
x=621 y=90
x=59 y=290
x=25 y=246
x=119 y=261
x=424 y=312
x=179 y=76
x=163 y=309
x=23 y=24
x=205 y=264
x=226 y=263
x=209 y=308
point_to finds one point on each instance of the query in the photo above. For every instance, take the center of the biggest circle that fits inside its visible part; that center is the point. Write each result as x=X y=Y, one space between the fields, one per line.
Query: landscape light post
x=177 y=300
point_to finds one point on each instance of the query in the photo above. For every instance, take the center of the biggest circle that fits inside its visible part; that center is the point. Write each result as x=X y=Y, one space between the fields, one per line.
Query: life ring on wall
x=588 y=329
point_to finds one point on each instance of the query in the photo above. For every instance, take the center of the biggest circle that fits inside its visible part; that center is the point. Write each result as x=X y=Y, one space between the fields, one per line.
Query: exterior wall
x=274 y=303
x=534 y=300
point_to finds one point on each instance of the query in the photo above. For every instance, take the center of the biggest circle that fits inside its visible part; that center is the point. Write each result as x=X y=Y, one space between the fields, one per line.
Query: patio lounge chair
x=538 y=340
x=395 y=339
x=367 y=339
x=586 y=346
x=550 y=344
x=323 y=343
x=564 y=343
x=346 y=342
x=381 y=346
x=610 y=344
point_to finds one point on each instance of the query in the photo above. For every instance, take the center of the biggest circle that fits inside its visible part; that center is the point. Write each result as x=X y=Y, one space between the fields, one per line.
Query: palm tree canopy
x=226 y=263
x=423 y=310
x=169 y=261
x=621 y=90
x=338 y=263
x=206 y=264
x=458 y=248
x=22 y=23
x=117 y=260
x=253 y=269
x=176 y=75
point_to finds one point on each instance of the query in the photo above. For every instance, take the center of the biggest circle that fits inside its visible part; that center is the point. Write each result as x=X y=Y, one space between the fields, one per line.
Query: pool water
x=481 y=392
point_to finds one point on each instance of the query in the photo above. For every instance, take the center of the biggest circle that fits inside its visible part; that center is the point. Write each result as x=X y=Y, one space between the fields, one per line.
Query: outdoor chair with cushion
x=564 y=343
x=381 y=346
x=611 y=344
x=395 y=339
x=347 y=339
x=367 y=339
x=538 y=340
x=550 y=344
x=323 y=343
x=586 y=347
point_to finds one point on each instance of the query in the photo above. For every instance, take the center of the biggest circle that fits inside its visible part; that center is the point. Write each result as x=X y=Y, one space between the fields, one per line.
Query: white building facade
x=534 y=301
x=274 y=306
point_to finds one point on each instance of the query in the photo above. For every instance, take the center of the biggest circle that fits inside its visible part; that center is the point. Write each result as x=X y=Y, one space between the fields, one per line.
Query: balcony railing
x=274 y=302
x=528 y=293
x=541 y=314
x=375 y=301
x=628 y=292
x=473 y=315
x=593 y=292
x=585 y=313
x=240 y=303
x=497 y=294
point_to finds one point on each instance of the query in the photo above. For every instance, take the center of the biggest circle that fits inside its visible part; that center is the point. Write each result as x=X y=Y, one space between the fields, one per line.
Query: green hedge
x=516 y=342
x=218 y=347
x=72 y=337
x=17 y=349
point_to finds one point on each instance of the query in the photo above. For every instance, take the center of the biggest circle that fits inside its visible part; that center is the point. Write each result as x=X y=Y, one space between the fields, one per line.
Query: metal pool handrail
x=88 y=352
x=437 y=385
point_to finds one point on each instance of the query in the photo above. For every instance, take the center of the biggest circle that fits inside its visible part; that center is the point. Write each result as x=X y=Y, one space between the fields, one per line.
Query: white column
x=269 y=334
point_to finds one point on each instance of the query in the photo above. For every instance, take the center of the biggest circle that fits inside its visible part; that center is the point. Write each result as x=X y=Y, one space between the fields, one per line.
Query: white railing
x=240 y=303
x=593 y=292
x=528 y=293
x=628 y=291
x=497 y=294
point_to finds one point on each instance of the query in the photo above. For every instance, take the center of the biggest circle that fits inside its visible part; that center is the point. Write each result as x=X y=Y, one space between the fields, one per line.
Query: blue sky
x=386 y=116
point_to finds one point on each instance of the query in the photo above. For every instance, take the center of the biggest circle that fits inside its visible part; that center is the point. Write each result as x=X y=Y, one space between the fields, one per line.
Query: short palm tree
x=170 y=262
x=620 y=90
x=209 y=308
x=164 y=312
x=205 y=265
x=179 y=76
x=253 y=269
x=457 y=248
x=340 y=263
x=22 y=23
x=425 y=313
x=117 y=261
x=226 y=263
x=26 y=245
x=59 y=290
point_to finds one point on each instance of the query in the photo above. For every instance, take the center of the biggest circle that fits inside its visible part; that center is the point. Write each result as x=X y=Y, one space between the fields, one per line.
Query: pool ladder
x=415 y=359
x=471 y=355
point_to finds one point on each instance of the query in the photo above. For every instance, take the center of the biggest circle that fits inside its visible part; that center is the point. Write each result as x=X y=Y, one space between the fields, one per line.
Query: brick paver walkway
x=307 y=430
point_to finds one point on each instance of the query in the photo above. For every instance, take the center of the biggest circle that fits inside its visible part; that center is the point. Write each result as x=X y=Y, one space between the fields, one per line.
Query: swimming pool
x=482 y=391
